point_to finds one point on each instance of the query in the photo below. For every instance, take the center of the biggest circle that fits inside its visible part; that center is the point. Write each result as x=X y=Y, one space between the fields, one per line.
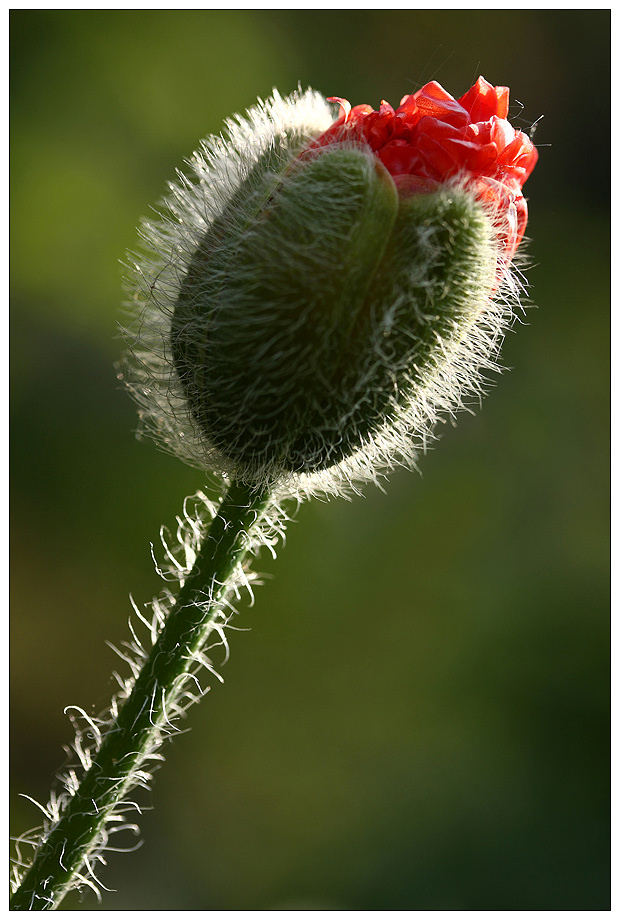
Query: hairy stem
x=66 y=849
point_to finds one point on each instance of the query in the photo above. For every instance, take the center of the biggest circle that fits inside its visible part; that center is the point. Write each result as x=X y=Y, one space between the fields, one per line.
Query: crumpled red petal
x=432 y=137
x=483 y=101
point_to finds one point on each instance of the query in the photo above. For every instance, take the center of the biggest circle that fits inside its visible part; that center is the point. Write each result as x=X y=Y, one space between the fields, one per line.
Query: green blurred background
x=417 y=715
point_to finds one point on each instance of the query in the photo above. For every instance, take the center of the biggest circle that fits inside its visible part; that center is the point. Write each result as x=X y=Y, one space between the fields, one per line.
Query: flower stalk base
x=64 y=853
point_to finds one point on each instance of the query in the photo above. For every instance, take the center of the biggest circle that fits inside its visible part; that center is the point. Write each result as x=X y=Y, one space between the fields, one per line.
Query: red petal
x=529 y=162
x=401 y=159
x=345 y=107
x=519 y=158
x=385 y=108
x=439 y=129
x=480 y=132
x=378 y=128
x=510 y=154
x=481 y=158
x=359 y=111
x=502 y=133
x=433 y=100
x=503 y=100
x=432 y=136
x=408 y=113
x=404 y=125
x=441 y=159
x=483 y=101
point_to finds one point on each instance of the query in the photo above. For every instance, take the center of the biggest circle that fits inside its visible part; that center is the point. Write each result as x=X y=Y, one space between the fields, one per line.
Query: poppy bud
x=327 y=289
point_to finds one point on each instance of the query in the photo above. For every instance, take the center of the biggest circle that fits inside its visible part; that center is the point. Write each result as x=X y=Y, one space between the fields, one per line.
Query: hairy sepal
x=428 y=379
x=319 y=320
x=269 y=324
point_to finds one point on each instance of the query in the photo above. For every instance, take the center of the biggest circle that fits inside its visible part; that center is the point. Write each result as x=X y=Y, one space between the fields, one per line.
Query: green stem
x=137 y=728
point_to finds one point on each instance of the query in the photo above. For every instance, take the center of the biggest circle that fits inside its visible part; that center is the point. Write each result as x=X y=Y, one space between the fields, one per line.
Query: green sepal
x=321 y=306
x=263 y=324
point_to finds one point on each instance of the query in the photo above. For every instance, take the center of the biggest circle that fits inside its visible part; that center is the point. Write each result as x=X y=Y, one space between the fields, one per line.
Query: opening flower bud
x=325 y=289
x=300 y=330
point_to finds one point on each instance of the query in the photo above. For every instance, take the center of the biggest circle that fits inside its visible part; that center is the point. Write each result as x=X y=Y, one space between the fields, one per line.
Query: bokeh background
x=416 y=716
